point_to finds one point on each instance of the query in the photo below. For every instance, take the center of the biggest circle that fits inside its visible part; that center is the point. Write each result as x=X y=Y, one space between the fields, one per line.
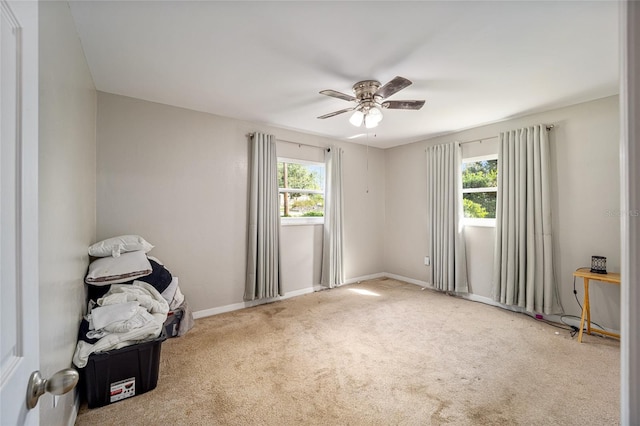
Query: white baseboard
x=469 y=296
x=420 y=283
x=364 y=278
x=488 y=301
x=219 y=310
x=237 y=306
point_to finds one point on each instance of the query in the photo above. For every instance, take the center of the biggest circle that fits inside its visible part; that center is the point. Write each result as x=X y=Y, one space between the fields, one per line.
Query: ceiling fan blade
x=338 y=95
x=331 y=114
x=394 y=86
x=403 y=104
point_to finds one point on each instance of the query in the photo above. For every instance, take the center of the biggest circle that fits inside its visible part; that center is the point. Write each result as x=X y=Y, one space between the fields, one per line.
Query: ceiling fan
x=370 y=100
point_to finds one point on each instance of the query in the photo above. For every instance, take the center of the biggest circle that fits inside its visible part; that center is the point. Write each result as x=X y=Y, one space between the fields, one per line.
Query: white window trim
x=480 y=158
x=479 y=222
x=475 y=221
x=301 y=191
x=472 y=190
x=297 y=161
x=305 y=220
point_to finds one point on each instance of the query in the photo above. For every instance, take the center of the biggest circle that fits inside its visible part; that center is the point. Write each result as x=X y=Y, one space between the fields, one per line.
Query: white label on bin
x=123 y=389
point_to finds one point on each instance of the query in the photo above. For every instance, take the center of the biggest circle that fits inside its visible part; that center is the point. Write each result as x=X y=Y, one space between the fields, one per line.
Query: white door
x=19 y=354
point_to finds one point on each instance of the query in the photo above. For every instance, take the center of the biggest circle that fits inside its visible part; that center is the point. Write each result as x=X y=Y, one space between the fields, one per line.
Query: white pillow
x=112 y=270
x=122 y=244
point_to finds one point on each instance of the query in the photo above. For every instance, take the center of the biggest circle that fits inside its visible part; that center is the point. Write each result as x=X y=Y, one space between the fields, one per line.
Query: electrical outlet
x=427 y=261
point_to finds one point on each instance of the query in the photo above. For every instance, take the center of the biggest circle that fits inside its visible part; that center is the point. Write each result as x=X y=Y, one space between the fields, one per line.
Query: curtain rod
x=479 y=140
x=549 y=127
x=295 y=143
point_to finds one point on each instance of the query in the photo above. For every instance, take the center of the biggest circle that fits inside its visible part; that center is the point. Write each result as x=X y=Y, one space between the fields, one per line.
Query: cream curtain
x=263 y=252
x=332 y=260
x=523 y=270
x=446 y=232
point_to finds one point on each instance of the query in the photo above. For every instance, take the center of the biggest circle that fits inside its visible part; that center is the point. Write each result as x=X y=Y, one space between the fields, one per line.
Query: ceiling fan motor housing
x=365 y=91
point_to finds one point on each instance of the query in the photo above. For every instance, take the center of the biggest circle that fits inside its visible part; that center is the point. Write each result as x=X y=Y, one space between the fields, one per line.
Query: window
x=301 y=191
x=480 y=190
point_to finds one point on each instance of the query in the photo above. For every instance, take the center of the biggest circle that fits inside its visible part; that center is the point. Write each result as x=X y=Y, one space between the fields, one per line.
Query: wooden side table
x=586 y=274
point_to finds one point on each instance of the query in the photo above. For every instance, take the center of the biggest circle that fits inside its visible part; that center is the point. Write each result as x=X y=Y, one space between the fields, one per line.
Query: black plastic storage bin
x=121 y=373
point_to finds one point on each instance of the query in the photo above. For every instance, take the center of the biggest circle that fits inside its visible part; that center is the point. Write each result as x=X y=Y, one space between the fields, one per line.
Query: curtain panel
x=332 y=251
x=446 y=232
x=263 y=248
x=523 y=270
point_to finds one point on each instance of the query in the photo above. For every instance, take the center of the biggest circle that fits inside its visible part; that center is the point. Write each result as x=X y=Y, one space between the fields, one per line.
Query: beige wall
x=585 y=156
x=67 y=194
x=179 y=178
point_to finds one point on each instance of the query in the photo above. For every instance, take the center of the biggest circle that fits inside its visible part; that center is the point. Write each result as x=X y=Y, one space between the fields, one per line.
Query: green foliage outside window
x=298 y=176
x=480 y=174
x=473 y=209
x=305 y=178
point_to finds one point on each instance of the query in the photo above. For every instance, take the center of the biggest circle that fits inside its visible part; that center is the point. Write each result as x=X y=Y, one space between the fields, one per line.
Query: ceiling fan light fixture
x=370 y=121
x=357 y=118
x=375 y=113
x=373 y=117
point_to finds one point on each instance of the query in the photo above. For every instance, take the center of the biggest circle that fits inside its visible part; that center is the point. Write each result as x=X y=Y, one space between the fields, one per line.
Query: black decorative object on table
x=598 y=264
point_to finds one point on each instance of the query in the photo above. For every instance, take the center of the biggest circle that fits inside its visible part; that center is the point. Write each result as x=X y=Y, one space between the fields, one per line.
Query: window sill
x=480 y=223
x=293 y=221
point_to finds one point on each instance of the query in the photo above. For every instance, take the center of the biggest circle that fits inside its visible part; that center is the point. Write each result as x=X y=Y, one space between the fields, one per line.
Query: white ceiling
x=474 y=62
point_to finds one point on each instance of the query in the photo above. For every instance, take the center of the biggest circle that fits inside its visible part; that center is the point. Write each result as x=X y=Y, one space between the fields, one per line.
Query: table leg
x=587 y=304
x=585 y=311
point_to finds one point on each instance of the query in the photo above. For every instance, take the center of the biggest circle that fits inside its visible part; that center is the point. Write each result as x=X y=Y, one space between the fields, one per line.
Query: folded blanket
x=102 y=316
x=139 y=319
x=123 y=293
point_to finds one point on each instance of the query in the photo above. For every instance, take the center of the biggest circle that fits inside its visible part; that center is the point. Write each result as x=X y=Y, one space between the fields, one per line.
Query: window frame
x=477 y=221
x=307 y=220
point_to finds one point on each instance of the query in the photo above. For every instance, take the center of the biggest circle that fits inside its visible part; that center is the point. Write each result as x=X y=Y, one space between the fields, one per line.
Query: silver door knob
x=60 y=383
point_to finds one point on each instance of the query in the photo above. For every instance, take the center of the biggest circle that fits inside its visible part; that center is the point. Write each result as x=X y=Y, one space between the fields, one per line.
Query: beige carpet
x=377 y=353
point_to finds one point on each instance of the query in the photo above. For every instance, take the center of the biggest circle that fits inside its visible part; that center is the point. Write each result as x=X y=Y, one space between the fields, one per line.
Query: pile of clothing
x=132 y=298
